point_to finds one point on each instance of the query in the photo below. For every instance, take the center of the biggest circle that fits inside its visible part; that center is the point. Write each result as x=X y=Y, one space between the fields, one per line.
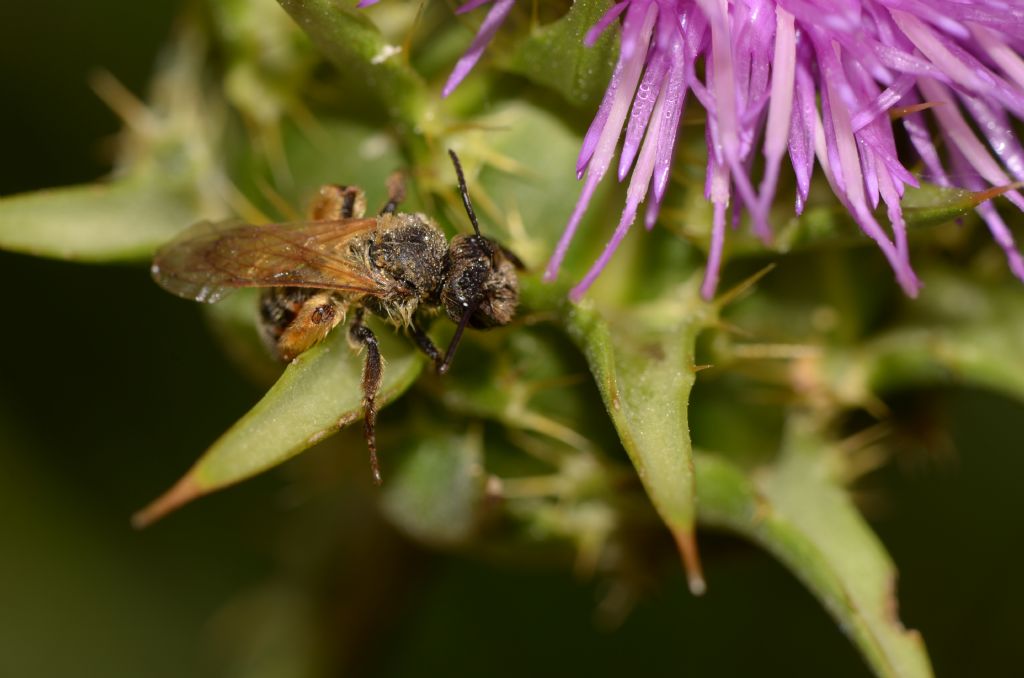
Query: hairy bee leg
x=396 y=192
x=338 y=202
x=294 y=319
x=424 y=343
x=373 y=369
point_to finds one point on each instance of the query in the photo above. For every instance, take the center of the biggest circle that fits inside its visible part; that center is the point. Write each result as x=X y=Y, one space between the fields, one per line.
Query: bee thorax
x=410 y=250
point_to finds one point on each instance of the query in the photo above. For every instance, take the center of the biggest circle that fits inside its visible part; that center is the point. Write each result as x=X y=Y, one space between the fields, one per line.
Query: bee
x=342 y=265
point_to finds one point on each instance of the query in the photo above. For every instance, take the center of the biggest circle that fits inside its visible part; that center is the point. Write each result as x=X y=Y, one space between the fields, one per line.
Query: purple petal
x=675 y=102
x=598 y=28
x=1002 y=138
x=921 y=138
x=488 y=28
x=801 y=134
x=599 y=122
x=638 y=28
x=956 y=129
x=886 y=100
x=996 y=226
x=643 y=104
x=891 y=195
x=780 y=113
x=1001 y=53
x=847 y=171
x=710 y=284
x=720 y=67
x=624 y=77
x=635 y=194
x=555 y=263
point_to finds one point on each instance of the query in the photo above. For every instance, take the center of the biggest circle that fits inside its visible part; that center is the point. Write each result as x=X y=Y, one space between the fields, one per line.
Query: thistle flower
x=759 y=69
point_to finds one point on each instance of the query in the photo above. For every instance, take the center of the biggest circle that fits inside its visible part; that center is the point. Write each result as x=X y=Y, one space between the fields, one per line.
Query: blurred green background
x=110 y=388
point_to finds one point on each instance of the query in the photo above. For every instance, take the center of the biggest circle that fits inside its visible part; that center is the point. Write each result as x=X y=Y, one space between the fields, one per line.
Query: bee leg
x=424 y=343
x=362 y=336
x=396 y=192
x=338 y=202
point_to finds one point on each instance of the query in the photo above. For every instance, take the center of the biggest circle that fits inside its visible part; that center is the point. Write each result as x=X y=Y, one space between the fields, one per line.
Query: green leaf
x=123 y=220
x=318 y=393
x=798 y=513
x=555 y=56
x=437 y=493
x=642 y=358
x=354 y=45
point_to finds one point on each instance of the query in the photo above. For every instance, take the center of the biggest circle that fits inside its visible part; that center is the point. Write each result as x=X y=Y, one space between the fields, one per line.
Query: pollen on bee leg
x=315 y=318
x=322 y=314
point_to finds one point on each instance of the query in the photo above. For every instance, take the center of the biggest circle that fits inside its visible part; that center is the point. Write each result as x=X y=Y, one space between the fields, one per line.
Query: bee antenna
x=450 y=353
x=464 y=191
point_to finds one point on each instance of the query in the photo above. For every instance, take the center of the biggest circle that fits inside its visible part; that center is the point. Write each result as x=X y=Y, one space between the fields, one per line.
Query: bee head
x=480 y=287
x=481 y=281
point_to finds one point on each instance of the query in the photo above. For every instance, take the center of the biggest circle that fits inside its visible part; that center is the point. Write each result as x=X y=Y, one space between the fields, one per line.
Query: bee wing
x=210 y=259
